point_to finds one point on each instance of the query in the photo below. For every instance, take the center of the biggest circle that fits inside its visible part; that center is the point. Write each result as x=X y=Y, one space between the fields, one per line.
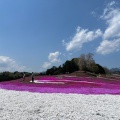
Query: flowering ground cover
x=64 y=84
x=19 y=105
x=23 y=100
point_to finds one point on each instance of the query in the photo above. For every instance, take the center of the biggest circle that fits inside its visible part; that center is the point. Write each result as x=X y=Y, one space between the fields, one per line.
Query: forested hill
x=83 y=63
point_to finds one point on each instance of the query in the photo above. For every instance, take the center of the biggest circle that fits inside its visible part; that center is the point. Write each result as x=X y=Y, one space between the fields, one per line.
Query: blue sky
x=38 y=34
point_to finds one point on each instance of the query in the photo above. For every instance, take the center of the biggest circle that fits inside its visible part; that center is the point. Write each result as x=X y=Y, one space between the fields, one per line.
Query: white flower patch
x=15 y=105
x=44 y=81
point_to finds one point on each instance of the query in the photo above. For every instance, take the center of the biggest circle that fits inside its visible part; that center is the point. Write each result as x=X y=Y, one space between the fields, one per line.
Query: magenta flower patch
x=65 y=84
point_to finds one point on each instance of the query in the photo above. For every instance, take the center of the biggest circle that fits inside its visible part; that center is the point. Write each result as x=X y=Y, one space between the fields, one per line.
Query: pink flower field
x=65 y=84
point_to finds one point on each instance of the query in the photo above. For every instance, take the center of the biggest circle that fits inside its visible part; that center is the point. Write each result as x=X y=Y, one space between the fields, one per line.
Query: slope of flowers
x=64 y=84
x=18 y=105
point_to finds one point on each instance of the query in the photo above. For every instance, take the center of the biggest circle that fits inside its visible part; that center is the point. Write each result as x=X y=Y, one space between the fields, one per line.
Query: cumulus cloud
x=8 y=64
x=53 y=57
x=46 y=65
x=82 y=36
x=112 y=17
x=111 y=36
x=107 y=46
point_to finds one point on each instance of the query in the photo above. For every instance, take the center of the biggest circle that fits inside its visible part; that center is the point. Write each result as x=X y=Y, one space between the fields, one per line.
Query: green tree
x=86 y=62
x=70 y=66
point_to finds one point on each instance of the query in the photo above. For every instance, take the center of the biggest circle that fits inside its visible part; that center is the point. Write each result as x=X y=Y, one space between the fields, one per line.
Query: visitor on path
x=32 y=77
x=23 y=76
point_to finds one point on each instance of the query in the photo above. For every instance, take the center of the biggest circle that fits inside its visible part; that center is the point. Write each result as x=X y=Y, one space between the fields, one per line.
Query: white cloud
x=111 y=3
x=53 y=57
x=111 y=36
x=107 y=47
x=112 y=17
x=82 y=36
x=46 y=65
x=8 y=64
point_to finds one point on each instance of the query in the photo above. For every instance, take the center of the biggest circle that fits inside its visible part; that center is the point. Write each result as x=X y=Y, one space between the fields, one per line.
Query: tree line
x=6 y=76
x=84 y=63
